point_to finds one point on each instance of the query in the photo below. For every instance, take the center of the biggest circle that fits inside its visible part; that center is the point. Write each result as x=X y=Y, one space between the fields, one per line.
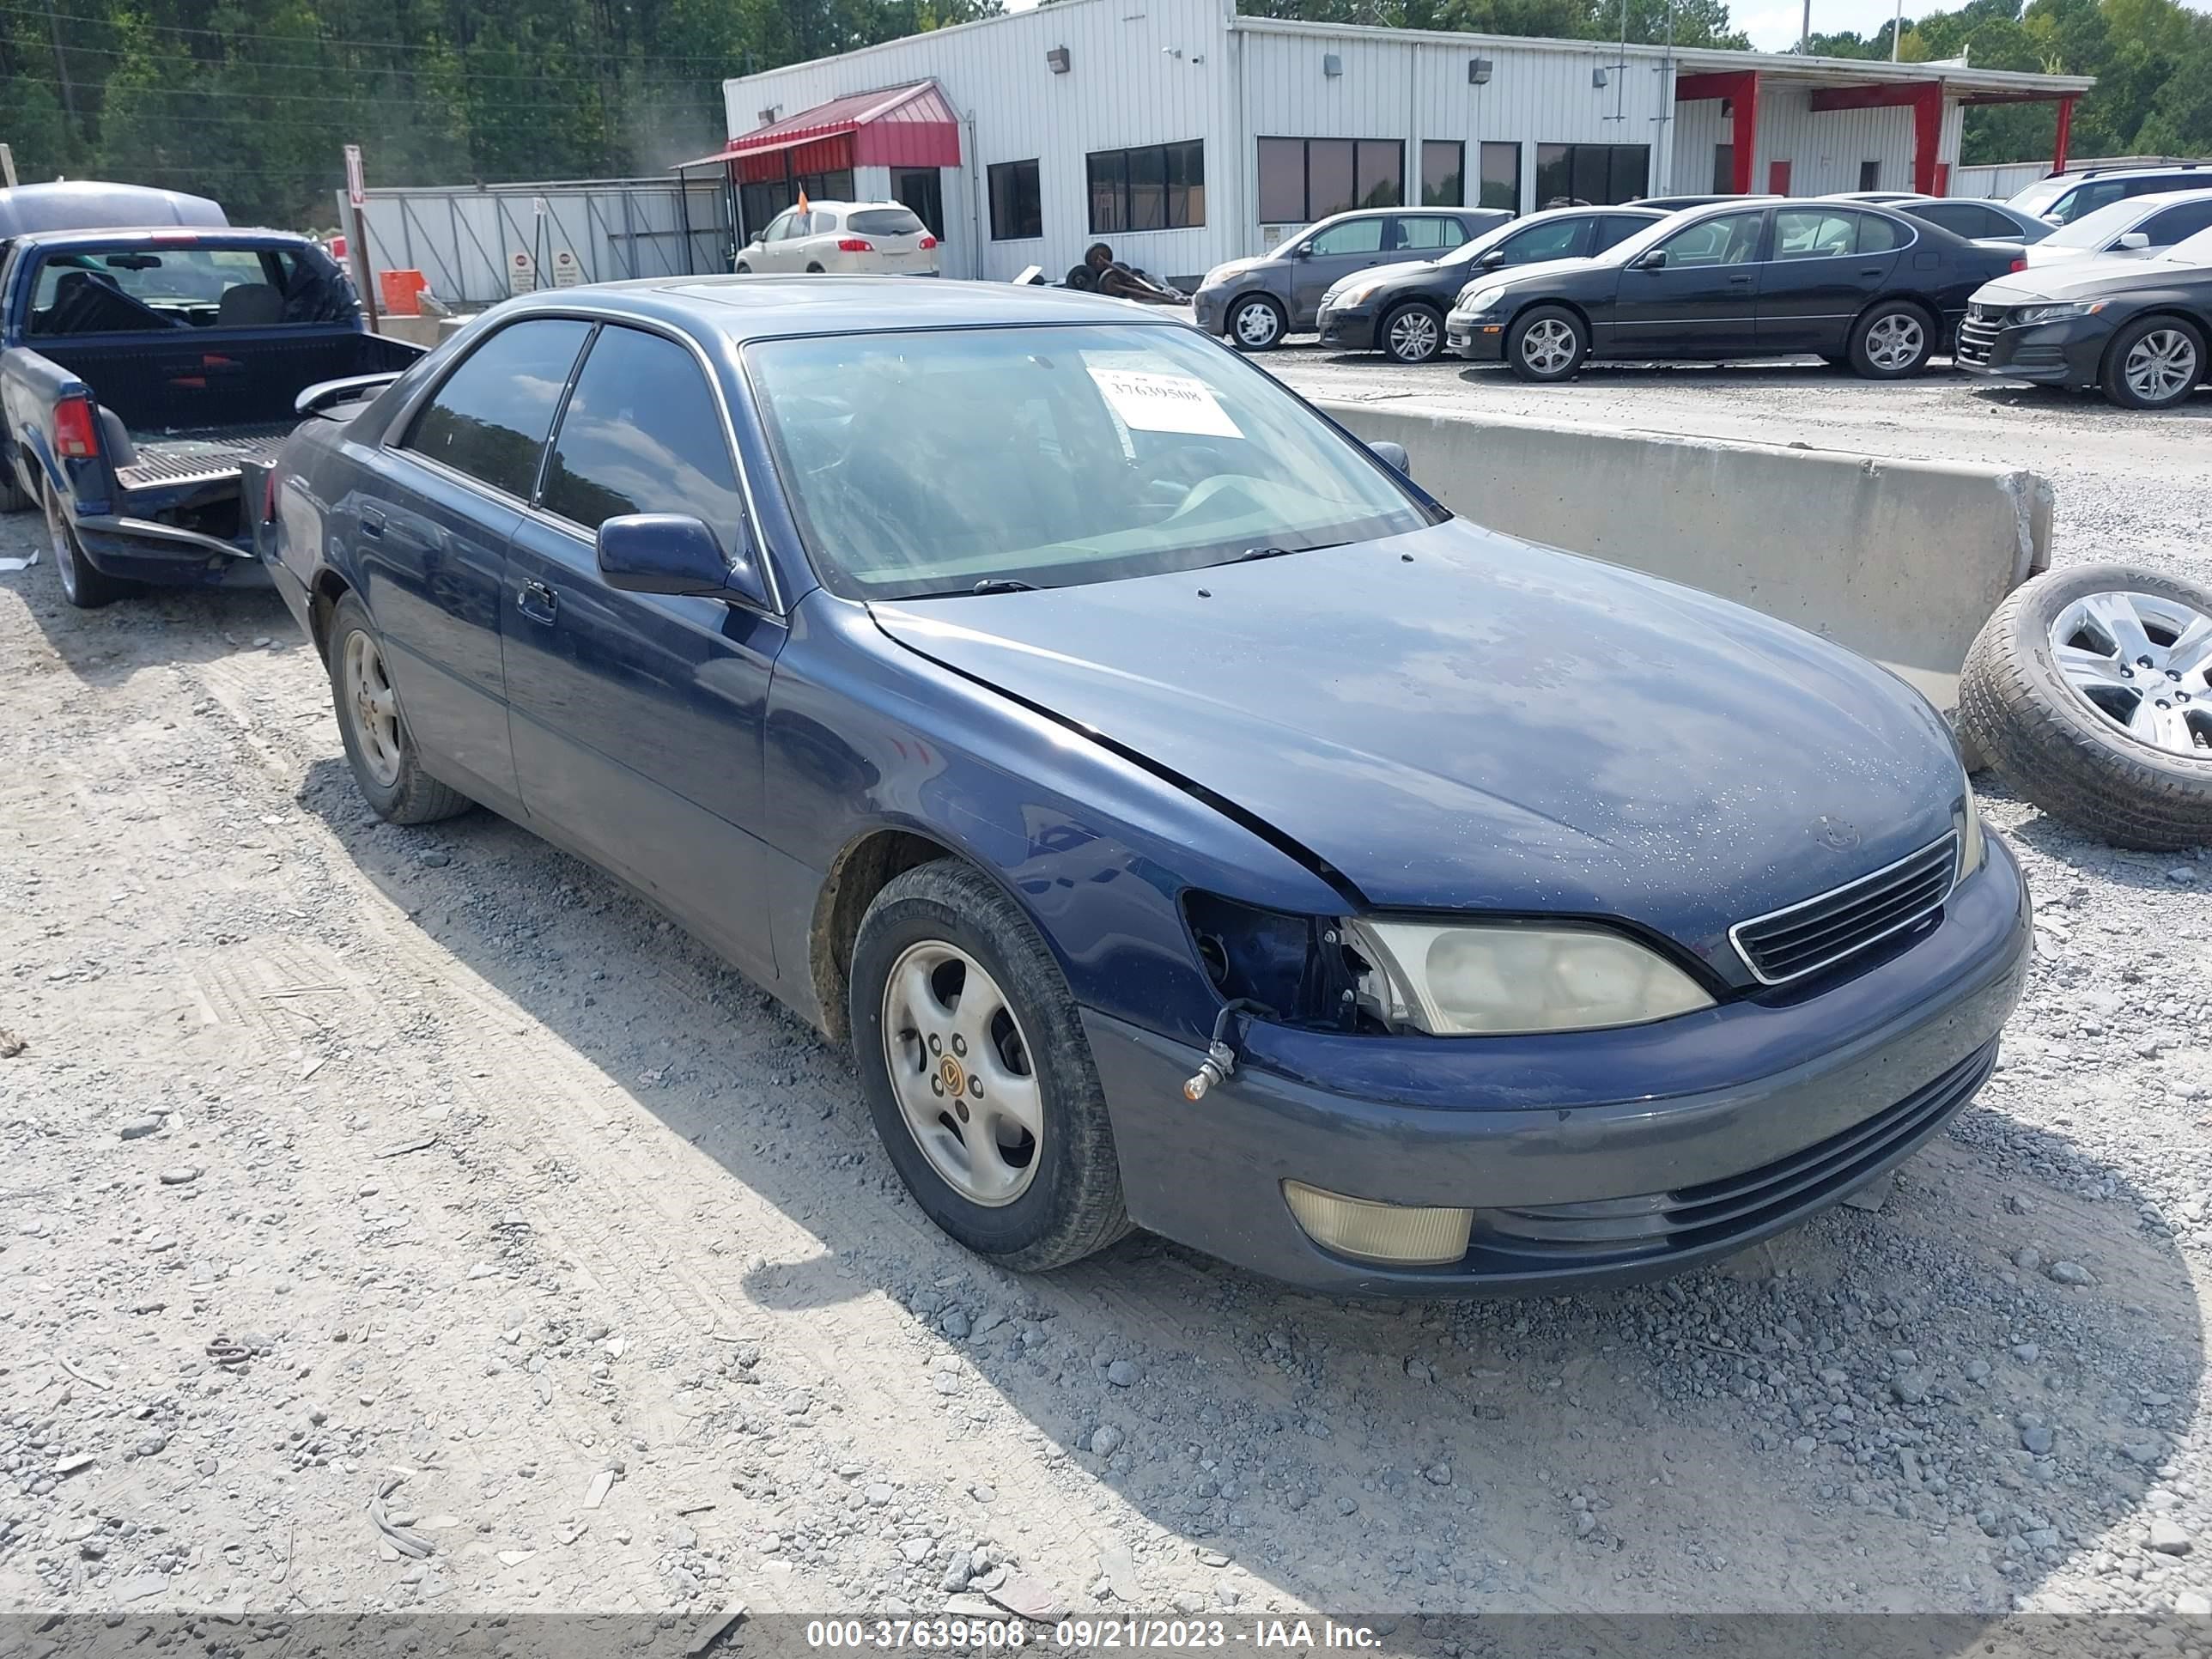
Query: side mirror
x=1655 y=260
x=1393 y=454
x=1493 y=259
x=2134 y=239
x=1303 y=251
x=670 y=553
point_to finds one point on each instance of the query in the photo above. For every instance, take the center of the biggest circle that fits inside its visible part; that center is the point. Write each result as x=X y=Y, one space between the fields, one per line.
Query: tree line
x=250 y=100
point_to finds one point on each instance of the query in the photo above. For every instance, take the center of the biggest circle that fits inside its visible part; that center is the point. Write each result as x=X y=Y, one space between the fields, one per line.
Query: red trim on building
x=2065 y=135
x=907 y=126
x=1740 y=88
x=1923 y=98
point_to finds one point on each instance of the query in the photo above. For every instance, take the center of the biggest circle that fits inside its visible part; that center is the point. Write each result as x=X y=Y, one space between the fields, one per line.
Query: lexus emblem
x=1835 y=833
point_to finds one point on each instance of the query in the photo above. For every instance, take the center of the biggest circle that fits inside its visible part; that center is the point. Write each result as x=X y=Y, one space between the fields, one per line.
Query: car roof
x=2153 y=169
x=842 y=206
x=170 y=236
x=751 y=307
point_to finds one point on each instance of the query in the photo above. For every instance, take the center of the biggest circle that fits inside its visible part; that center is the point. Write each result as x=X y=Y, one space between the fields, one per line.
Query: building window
x=1017 y=208
x=1501 y=177
x=1869 y=175
x=1156 y=187
x=1592 y=174
x=1443 y=169
x=1723 y=169
x=1304 y=179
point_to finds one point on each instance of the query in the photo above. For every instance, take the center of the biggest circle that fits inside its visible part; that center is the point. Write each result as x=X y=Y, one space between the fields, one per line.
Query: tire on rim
x=83 y=584
x=2088 y=692
x=2152 y=363
x=975 y=1068
x=1413 y=333
x=378 y=745
x=1892 y=339
x=1546 y=344
x=13 y=498
x=1256 y=323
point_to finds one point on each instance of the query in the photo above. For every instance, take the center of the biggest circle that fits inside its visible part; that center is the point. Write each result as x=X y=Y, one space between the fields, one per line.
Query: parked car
x=2135 y=329
x=1976 y=221
x=1254 y=303
x=2065 y=196
x=139 y=367
x=882 y=238
x=2129 y=229
x=1398 y=310
x=1861 y=285
x=1157 y=788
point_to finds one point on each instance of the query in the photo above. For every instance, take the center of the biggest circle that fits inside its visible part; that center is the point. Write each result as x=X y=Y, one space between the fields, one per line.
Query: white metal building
x=1184 y=134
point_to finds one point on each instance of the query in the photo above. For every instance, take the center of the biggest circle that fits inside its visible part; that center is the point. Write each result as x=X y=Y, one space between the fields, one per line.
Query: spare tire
x=2088 y=691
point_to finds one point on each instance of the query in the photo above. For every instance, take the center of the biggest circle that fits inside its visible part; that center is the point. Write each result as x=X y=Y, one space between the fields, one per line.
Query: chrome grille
x=1978 y=333
x=1802 y=938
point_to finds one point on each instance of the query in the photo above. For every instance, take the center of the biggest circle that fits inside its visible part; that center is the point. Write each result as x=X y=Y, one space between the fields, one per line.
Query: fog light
x=1402 y=1235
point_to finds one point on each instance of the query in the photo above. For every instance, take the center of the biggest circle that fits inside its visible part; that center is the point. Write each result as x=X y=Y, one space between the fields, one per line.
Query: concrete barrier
x=1902 y=561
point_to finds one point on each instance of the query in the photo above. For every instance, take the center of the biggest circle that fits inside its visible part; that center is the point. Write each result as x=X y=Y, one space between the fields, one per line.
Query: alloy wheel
x=1548 y=347
x=1895 y=340
x=963 y=1073
x=2140 y=661
x=57 y=536
x=1257 y=324
x=1413 y=337
x=2161 y=366
x=375 y=708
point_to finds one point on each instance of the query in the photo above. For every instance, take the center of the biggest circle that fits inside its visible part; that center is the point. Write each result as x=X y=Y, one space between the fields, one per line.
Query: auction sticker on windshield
x=1164 y=402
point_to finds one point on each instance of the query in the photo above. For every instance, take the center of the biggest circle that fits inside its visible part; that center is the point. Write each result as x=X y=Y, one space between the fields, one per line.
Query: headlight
x=1356 y=295
x=2057 y=313
x=1500 y=979
x=1476 y=300
x=1973 y=849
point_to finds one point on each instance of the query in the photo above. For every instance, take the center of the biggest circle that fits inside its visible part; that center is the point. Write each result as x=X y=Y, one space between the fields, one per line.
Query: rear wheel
x=84 y=585
x=2153 y=364
x=1412 y=333
x=814 y=269
x=13 y=498
x=1546 y=344
x=1257 y=323
x=1891 y=340
x=378 y=745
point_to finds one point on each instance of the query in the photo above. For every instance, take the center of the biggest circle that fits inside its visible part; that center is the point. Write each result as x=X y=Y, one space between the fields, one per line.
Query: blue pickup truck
x=139 y=370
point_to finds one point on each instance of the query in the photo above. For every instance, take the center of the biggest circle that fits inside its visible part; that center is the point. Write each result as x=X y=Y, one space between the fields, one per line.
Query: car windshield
x=1469 y=252
x=2095 y=229
x=936 y=461
x=2038 y=196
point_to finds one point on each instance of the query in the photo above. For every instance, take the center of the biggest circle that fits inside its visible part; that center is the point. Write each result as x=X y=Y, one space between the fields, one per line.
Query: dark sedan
x=1158 y=790
x=2135 y=329
x=1861 y=285
x=1398 y=310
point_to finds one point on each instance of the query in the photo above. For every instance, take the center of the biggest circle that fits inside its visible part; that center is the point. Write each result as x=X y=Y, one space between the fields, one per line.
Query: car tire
x=1891 y=340
x=82 y=583
x=1412 y=334
x=379 y=748
x=13 y=498
x=743 y=270
x=2154 y=362
x=815 y=270
x=1031 y=1197
x=2045 y=699
x=1256 y=323
x=1546 y=345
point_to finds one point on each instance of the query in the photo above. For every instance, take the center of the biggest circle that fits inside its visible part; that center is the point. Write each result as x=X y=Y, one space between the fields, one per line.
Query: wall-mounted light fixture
x=1478 y=71
x=1331 y=66
x=1056 y=60
x=1598 y=75
x=768 y=114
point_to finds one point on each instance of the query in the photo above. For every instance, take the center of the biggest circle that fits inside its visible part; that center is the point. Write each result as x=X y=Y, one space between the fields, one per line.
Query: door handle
x=1873 y=270
x=538 y=602
x=1742 y=282
x=372 y=525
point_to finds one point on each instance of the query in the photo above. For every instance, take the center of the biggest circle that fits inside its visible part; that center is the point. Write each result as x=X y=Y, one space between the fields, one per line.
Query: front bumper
x=1209 y=307
x=1477 y=339
x=1590 y=1158
x=1349 y=329
x=2068 y=353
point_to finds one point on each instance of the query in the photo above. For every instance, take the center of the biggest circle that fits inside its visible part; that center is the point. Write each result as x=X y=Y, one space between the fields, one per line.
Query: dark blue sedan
x=1190 y=824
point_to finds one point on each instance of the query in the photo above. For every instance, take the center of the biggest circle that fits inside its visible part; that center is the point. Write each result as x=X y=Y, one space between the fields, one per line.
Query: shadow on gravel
x=1917 y=1408
x=2087 y=857
x=175 y=625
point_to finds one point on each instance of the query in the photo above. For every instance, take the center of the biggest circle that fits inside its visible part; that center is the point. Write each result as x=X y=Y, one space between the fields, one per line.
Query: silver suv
x=2069 y=196
x=1254 y=303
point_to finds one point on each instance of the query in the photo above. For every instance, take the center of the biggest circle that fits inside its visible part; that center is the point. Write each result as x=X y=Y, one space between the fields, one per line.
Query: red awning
x=909 y=127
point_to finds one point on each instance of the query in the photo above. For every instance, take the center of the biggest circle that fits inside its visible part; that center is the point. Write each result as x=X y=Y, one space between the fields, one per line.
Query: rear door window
x=1813 y=233
x=489 y=419
x=1429 y=234
x=1879 y=236
x=1617 y=228
x=642 y=434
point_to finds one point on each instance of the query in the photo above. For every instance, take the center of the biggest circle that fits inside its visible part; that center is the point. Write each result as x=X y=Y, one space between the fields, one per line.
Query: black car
x=1863 y=285
x=1400 y=309
x=2136 y=329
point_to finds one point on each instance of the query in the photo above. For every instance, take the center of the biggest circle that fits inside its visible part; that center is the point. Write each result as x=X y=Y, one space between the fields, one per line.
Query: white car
x=877 y=238
x=2137 y=227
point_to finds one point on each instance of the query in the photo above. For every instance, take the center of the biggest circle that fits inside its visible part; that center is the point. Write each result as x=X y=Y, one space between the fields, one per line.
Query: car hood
x=1232 y=270
x=1452 y=719
x=2041 y=255
x=1537 y=276
x=2083 y=279
x=1403 y=269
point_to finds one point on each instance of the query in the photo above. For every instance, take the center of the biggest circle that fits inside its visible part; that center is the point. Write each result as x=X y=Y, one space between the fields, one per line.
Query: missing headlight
x=1296 y=966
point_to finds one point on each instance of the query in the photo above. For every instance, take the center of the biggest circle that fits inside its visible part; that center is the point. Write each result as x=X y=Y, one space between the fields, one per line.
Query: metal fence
x=478 y=244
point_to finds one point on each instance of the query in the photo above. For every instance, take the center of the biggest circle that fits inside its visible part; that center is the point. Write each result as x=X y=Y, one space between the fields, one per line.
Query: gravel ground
x=334 y=1150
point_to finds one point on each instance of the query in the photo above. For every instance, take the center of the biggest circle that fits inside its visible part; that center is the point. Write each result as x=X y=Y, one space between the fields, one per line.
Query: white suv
x=875 y=237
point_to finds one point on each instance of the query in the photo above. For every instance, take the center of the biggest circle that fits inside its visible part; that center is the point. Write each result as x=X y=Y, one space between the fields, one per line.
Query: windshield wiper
x=1251 y=553
x=1003 y=584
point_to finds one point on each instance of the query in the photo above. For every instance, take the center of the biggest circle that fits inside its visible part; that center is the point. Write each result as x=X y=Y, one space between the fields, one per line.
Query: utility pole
x=1805 y=34
x=1897 y=31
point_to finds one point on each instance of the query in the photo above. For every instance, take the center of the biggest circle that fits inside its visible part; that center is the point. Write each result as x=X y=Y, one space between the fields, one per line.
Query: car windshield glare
x=2192 y=250
x=2095 y=229
x=930 y=462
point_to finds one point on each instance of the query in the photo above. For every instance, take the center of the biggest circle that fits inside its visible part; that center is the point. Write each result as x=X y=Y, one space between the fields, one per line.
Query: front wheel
x=1412 y=334
x=1891 y=341
x=1257 y=323
x=974 y=1066
x=84 y=584
x=1546 y=345
x=373 y=728
x=2154 y=364
x=743 y=270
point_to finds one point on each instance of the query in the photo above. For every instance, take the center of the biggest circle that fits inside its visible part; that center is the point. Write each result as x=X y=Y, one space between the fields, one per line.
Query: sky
x=1773 y=25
